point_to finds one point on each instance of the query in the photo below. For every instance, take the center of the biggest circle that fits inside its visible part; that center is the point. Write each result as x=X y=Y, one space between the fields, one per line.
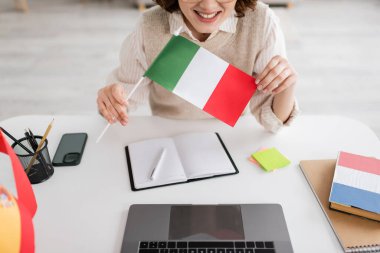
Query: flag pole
x=128 y=97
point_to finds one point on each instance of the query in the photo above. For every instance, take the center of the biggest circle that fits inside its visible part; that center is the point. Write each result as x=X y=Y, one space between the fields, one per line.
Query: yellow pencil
x=39 y=147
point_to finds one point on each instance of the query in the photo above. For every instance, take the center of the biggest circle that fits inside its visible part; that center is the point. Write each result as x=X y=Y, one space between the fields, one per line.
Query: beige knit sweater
x=240 y=48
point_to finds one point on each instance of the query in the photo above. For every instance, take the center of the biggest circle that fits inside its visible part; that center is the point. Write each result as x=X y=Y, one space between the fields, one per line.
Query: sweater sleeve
x=261 y=103
x=133 y=65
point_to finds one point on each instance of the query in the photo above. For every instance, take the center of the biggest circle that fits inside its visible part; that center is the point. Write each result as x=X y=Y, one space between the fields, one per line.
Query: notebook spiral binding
x=367 y=248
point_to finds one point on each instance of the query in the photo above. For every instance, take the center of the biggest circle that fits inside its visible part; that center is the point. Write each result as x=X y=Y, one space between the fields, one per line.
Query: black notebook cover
x=189 y=180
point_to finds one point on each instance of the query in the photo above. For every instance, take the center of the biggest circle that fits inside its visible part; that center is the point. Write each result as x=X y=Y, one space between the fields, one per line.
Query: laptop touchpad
x=202 y=222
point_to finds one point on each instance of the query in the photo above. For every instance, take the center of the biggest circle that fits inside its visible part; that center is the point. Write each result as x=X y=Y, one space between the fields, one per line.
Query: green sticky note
x=271 y=159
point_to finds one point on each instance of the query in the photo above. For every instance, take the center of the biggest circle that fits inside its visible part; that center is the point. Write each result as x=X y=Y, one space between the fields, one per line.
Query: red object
x=231 y=95
x=358 y=162
x=26 y=200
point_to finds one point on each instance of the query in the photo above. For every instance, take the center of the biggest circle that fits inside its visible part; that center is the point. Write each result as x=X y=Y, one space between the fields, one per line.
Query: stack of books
x=356 y=186
x=355 y=233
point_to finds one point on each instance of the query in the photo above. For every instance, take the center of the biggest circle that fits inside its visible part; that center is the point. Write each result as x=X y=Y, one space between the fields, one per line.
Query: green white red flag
x=203 y=79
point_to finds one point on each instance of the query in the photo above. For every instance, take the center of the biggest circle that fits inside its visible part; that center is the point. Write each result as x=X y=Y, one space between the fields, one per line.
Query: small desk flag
x=203 y=79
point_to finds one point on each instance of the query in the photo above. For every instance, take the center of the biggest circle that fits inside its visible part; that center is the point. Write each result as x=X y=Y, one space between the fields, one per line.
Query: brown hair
x=241 y=6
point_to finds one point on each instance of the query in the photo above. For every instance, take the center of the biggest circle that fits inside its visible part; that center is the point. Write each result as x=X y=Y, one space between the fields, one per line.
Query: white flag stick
x=103 y=132
x=129 y=96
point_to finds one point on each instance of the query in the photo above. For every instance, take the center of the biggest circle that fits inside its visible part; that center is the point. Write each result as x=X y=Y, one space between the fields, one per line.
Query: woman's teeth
x=204 y=15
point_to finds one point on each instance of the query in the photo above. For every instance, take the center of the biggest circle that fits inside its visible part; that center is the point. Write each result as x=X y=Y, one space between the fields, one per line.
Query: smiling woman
x=244 y=33
x=205 y=16
x=240 y=7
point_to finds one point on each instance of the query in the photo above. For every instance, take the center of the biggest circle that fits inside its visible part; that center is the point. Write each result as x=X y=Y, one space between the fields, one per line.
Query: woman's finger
x=272 y=75
x=104 y=112
x=112 y=104
x=118 y=93
x=104 y=100
x=120 y=110
x=272 y=63
x=291 y=80
x=276 y=82
x=112 y=107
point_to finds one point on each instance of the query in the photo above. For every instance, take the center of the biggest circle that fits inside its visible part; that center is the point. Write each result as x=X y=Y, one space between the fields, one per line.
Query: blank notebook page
x=144 y=156
x=202 y=155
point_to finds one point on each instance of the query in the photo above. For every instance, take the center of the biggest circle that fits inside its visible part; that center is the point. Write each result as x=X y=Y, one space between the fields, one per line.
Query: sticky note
x=271 y=159
x=252 y=160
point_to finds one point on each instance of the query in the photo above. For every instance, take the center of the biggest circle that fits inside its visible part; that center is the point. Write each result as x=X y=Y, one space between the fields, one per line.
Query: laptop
x=246 y=228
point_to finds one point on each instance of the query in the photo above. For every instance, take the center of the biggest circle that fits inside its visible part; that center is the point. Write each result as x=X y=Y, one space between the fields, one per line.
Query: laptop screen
x=205 y=222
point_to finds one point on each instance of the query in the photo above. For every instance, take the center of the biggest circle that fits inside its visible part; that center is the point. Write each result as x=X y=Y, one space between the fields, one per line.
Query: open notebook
x=188 y=157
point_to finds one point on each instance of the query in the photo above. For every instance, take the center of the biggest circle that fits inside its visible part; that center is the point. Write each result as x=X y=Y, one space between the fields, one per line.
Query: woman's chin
x=209 y=28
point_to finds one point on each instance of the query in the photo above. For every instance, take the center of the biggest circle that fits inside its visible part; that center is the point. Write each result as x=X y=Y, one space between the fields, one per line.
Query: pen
x=158 y=165
x=29 y=140
x=15 y=140
x=33 y=142
x=39 y=146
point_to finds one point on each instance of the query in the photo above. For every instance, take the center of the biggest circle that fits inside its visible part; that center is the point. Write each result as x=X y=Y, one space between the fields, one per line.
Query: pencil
x=39 y=146
x=158 y=166
x=34 y=144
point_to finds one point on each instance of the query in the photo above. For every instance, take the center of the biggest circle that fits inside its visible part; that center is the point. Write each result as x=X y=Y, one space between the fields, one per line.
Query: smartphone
x=70 y=149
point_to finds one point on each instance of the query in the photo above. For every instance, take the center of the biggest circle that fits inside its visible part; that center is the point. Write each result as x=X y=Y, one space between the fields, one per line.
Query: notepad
x=356 y=185
x=189 y=157
x=271 y=159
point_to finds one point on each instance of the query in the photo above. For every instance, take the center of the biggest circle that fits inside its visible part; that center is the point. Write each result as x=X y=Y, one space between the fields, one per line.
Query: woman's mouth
x=207 y=17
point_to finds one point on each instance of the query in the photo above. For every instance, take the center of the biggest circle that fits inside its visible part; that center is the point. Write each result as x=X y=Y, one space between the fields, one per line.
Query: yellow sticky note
x=271 y=159
x=252 y=160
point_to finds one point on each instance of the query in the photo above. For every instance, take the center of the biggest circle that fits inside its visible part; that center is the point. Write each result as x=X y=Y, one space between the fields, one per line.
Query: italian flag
x=203 y=79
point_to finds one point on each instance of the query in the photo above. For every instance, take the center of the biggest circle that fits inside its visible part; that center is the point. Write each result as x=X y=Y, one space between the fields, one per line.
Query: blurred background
x=56 y=54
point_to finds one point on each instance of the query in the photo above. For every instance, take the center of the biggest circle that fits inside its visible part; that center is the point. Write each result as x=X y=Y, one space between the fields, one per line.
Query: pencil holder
x=42 y=168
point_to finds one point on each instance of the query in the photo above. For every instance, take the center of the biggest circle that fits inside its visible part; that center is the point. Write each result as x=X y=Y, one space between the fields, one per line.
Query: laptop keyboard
x=205 y=247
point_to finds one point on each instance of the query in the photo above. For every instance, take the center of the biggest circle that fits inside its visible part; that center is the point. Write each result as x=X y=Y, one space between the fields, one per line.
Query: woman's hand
x=277 y=76
x=112 y=104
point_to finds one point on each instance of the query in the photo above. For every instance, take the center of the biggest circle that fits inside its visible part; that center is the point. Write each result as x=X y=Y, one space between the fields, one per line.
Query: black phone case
x=70 y=149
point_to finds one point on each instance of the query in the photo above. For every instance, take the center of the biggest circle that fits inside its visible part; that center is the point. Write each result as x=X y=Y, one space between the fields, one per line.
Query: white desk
x=84 y=208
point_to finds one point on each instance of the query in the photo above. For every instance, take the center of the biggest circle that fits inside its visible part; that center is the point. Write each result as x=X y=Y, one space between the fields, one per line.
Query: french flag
x=357 y=182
